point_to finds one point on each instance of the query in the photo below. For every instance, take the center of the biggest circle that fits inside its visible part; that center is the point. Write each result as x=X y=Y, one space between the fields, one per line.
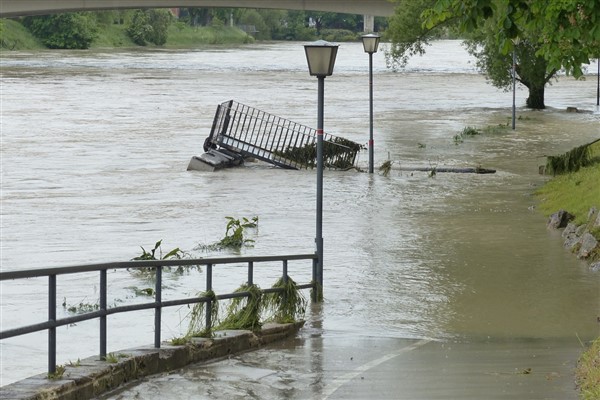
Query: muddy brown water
x=95 y=146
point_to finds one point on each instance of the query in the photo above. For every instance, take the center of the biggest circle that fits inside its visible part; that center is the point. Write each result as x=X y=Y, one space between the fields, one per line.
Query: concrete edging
x=92 y=377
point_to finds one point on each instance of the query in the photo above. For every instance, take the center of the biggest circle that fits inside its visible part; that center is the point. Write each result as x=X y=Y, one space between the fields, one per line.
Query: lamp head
x=371 y=42
x=320 y=56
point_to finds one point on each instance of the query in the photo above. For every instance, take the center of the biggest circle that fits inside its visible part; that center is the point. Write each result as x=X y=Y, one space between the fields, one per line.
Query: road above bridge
x=14 y=8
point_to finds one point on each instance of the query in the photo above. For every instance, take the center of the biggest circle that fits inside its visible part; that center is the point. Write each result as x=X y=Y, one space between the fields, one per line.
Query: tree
x=149 y=26
x=568 y=30
x=531 y=70
x=63 y=31
x=409 y=36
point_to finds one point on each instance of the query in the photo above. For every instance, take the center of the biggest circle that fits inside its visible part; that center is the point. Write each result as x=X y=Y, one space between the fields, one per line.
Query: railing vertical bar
x=52 y=318
x=209 y=302
x=314 y=295
x=285 y=280
x=103 y=294
x=250 y=273
x=158 y=309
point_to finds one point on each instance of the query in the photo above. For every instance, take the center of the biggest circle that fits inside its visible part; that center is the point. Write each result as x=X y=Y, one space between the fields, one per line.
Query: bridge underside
x=15 y=8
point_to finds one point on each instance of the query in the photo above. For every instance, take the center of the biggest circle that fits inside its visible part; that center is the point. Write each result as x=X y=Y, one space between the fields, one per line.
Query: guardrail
x=254 y=133
x=103 y=311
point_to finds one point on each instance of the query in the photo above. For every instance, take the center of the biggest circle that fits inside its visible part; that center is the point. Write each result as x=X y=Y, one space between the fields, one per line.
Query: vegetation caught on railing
x=197 y=326
x=286 y=306
x=244 y=312
x=235 y=235
x=574 y=159
x=338 y=153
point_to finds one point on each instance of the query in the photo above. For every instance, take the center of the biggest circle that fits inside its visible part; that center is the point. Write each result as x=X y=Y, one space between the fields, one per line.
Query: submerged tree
x=567 y=32
x=410 y=36
x=531 y=69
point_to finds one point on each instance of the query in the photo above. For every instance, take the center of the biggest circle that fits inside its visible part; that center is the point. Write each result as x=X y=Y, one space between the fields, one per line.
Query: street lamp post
x=370 y=44
x=598 y=88
x=514 y=81
x=320 y=56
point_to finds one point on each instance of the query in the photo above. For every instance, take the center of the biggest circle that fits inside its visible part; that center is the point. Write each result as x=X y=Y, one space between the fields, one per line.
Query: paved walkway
x=328 y=365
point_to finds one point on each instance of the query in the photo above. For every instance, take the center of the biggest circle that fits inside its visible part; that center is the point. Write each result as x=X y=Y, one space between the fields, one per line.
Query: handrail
x=52 y=322
x=255 y=133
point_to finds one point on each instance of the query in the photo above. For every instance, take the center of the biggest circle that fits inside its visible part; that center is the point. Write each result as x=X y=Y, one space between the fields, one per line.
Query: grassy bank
x=574 y=192
x=15 y=36
x=577 y=192
x=588 y=372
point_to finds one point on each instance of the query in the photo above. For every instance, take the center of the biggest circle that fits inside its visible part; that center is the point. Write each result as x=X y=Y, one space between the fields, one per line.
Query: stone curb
x=93 y=377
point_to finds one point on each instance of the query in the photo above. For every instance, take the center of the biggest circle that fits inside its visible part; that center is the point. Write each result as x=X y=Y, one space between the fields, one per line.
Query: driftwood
x=477 y=170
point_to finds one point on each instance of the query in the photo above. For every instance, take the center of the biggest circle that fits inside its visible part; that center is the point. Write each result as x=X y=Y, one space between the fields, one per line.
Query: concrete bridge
x=15 y=8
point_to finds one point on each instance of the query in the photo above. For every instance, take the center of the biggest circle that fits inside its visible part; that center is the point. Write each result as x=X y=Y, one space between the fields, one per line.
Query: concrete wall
x=93 y=377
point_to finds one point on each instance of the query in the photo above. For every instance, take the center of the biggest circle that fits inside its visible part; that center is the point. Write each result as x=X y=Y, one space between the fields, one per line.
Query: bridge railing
x=158 y=304
x=253 y=132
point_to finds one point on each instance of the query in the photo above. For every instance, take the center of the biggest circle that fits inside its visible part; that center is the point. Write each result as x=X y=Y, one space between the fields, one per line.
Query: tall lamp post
x=370 y=44
x=320 y=56
x=598 y=88
x=514 y=80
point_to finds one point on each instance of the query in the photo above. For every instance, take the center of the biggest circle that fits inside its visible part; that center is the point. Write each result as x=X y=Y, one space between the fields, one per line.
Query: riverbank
x=577 y=195
x=14 y=36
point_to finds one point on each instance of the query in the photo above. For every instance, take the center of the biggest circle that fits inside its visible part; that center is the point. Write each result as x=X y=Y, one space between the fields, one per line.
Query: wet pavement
x=323 y=365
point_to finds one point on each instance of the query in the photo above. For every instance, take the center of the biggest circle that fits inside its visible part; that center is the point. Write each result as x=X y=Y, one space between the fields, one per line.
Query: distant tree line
x=78 y=30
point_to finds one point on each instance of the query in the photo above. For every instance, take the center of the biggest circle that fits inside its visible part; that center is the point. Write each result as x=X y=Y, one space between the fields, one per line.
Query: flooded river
x=95 y=146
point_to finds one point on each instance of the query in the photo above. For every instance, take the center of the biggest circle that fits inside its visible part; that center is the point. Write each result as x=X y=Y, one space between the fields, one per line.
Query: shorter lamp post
x=320 y=56
x=598 y=88
x=370 y=44
x=514 y=80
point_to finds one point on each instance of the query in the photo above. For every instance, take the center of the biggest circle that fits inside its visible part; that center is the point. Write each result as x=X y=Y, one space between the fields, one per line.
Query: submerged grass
x=587 y=374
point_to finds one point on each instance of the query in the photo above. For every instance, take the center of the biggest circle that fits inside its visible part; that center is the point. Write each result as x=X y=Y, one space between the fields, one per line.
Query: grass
x=576 y=193
x=184 y=36
x=58 y=374
x=14 y=36
x=587 y=375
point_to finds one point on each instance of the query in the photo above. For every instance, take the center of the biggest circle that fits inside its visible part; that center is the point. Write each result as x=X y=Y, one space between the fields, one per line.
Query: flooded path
x=95 y=147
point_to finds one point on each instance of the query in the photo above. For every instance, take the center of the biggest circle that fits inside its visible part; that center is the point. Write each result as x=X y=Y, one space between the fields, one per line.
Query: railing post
x=208 y=303
x=285 y=280
x=52 y=318
x=250 y=273
x=158 y=308
x=103 y=290
x=314 y=293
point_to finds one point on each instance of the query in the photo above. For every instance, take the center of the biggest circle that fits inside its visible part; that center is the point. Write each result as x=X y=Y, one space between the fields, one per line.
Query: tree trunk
x=536 y=98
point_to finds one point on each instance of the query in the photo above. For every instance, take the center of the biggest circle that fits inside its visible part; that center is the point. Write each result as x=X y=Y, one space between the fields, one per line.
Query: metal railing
x=158 y=304
x=252 y=132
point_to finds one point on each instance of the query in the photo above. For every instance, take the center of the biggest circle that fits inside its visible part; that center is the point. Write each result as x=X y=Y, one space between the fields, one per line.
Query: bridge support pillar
x=368 y=23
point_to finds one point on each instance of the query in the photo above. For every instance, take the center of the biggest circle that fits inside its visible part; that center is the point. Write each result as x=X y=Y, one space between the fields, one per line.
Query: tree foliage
x=63 y=31
x=489 y=37
x=149 y=26
x=568 y=30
